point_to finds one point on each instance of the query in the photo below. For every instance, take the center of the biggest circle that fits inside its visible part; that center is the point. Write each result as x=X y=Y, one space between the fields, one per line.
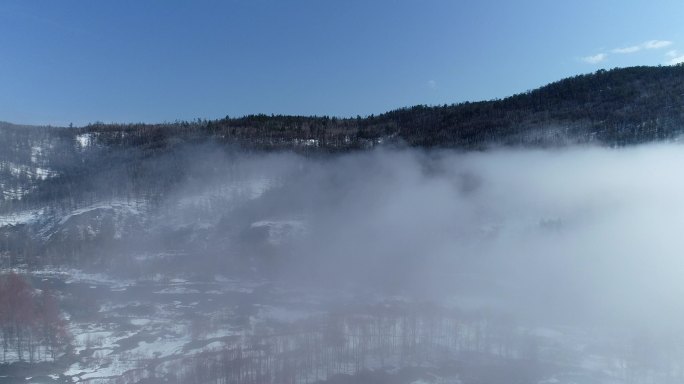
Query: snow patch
x=129 y=207
x=140 y=322
x=177 y=291
x=24 y=217
x=84 y=139
x=36 y=152
x=35 y=173
x=72 y=275
x=162 y=347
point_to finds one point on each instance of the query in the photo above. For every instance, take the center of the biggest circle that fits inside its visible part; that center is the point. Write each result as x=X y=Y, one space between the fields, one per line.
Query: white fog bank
x=575 y=234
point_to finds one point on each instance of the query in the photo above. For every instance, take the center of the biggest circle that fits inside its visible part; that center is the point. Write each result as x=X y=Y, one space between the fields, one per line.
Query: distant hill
x=609 y=107
x=106 y=178
x=614 y=108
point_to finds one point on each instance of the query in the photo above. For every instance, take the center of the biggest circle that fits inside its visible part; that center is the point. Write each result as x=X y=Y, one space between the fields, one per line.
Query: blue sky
x=131 y=61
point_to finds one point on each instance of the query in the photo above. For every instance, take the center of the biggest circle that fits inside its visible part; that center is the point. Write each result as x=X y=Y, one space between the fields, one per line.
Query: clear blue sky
x=129 y=61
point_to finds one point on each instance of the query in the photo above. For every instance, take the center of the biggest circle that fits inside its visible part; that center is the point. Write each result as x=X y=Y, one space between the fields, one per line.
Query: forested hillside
x=613 y=108
x=69 y=166
x=616 y=107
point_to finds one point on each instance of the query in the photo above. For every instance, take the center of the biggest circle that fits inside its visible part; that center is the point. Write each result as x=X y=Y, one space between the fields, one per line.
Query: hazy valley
x=280 y=249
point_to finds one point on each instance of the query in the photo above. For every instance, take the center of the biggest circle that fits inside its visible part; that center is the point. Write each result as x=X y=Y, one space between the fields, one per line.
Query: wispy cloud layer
x=673 y=58
x=657 y=44
x=595 y=59
x=651 y=44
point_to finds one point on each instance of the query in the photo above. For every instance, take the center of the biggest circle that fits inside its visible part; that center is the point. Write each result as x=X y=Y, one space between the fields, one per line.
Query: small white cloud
x=632 y=49
x=432 y=84
x=674 y=57
x=595 y=59
x=651 y=44
x=676 y=60
x=656 y=44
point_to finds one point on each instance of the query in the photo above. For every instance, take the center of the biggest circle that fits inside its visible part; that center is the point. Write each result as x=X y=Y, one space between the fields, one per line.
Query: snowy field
x=126 y=330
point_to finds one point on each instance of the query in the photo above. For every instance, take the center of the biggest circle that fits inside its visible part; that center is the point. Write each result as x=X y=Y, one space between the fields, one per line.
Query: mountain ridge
x=621 y=106
x=71 y=168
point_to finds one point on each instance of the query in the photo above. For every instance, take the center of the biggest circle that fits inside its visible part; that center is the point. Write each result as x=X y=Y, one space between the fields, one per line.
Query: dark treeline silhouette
x=612 y=107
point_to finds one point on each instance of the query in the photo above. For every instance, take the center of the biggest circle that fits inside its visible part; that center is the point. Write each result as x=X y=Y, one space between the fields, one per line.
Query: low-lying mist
x=577 y=235
x=204 y=263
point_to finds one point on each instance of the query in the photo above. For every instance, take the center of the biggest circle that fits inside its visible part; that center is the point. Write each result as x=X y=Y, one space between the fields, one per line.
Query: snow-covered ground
x=172 y=326
x=156 y=324
x=23 y=217
x=31 y=171
x=84 y=140
x=132 y=207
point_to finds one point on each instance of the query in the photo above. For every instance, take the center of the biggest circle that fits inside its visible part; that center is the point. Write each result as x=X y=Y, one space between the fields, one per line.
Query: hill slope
x=76 y=166
x=616 y=107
